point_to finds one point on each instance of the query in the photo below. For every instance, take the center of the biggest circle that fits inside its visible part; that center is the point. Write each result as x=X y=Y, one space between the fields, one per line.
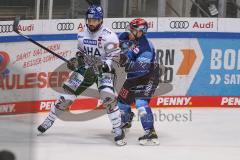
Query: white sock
x=52 y=114
x=115 y=117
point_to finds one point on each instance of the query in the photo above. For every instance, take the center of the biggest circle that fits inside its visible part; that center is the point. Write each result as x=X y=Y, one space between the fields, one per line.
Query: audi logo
x=65 y=26
x=179 y=24
x=120 y=24
x=6 y=28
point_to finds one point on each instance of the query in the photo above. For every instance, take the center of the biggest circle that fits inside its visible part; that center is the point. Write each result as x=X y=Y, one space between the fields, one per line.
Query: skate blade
x=149 y=142
x=40 y=133
x=121 y=142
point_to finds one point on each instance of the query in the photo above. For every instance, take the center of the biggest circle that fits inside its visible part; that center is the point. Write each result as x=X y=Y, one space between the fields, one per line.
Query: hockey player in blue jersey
x=142 y=78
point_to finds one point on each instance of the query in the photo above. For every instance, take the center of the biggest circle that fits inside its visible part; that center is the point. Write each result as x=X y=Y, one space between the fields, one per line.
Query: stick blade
x=15 y=24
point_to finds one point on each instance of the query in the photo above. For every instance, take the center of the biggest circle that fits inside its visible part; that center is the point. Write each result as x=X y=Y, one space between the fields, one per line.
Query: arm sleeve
x=112 y=50
x=123 y=36
x=79 y=44
x=125 y=42
x=141 y=66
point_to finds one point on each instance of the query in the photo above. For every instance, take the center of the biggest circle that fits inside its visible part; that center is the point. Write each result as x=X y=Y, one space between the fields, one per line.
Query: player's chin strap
x=135 y=36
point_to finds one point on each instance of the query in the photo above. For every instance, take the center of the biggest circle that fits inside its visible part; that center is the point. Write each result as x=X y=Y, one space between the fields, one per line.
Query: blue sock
x=147 y=118
x=125 y=112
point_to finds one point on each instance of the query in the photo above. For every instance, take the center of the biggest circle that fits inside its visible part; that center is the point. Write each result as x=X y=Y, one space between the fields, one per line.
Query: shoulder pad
x=80 y=35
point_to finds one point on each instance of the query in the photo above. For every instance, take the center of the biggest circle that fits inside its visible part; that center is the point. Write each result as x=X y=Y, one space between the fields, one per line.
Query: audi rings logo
x=6 y=28
x=179 y=24
x=120 y=24
x=65 y=26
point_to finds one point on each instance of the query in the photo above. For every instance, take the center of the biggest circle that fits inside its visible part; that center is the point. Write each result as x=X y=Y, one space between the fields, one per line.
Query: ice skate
x=150 y=138
x=119 y=137
x=126 y=126
x=45 y=126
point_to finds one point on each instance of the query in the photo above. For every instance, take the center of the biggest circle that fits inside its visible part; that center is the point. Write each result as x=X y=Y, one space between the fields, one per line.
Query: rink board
x=91 y=103
x=201 y=56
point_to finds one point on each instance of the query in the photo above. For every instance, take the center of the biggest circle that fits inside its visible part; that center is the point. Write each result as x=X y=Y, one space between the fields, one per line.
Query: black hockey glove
x=80 y=58
x=123 y=60
x=125 y=45
x=80 y=54
x=105 y=68
x=73 y=64
x=76 y=62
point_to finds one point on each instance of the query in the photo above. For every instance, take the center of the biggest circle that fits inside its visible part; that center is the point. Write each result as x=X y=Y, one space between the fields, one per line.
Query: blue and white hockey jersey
x=141 y=54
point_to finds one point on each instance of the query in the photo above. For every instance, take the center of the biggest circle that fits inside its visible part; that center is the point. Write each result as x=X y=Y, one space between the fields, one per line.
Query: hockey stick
x=15 y=29
x=94 y=2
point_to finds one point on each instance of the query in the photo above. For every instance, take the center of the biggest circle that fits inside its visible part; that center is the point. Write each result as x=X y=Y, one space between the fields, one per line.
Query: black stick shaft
x=15 y=29
x=43 y=47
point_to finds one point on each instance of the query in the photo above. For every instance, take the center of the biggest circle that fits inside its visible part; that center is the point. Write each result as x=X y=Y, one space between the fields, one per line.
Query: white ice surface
x=213 y=134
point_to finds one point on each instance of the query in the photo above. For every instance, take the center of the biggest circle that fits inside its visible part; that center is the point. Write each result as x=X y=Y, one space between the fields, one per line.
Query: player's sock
x=128 y=123
x=146 y=116
x=150 y=137
x=126 y=115
x=115 y=118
